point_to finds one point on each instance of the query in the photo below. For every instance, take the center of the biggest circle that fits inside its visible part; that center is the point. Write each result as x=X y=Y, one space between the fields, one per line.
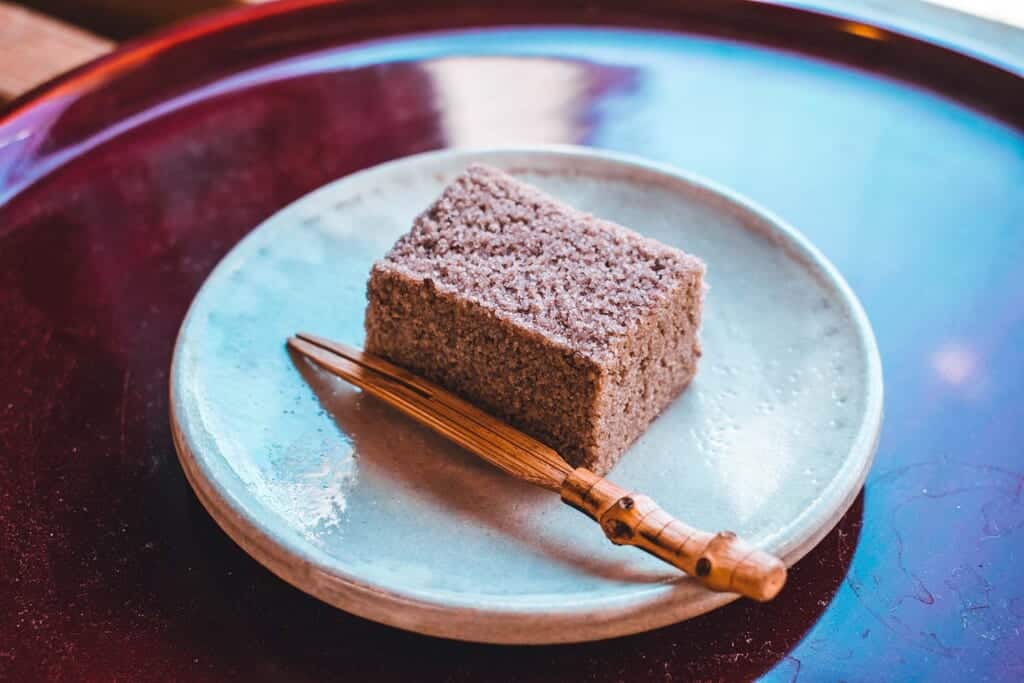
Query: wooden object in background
x=720 y=561
x=35 y=48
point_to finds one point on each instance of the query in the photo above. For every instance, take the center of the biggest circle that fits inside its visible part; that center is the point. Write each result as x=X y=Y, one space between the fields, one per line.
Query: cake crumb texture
x=574 y=329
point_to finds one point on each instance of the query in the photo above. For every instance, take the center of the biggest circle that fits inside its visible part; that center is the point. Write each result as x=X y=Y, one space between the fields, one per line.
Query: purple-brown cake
x=574 y=329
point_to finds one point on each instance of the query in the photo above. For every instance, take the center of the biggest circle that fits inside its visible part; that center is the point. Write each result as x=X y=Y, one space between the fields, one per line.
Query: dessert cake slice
x=574 y=329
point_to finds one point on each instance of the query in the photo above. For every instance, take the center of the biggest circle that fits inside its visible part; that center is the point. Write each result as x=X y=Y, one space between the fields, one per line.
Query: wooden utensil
x=721 y=561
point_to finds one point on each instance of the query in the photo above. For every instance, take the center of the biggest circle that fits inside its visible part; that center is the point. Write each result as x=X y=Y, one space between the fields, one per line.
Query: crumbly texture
x=573 y=329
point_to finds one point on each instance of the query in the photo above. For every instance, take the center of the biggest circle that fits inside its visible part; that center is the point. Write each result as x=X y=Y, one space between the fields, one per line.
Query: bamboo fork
x=721 y=561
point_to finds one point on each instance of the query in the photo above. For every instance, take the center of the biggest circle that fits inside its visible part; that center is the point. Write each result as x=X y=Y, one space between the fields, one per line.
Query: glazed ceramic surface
x=354 y=503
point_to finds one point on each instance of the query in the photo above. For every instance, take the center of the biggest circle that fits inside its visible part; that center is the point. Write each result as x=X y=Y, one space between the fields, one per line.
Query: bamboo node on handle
x=720 y=561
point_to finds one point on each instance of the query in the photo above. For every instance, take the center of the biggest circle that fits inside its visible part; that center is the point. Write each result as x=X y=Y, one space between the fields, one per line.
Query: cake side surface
x=518 y=375
x=648 y=369
x=574 y=329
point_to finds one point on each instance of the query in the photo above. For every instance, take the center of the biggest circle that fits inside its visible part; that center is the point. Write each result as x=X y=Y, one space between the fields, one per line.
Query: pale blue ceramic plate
x=358 y=506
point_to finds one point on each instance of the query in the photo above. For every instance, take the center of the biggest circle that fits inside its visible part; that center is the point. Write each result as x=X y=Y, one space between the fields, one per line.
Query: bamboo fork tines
x=444 y=412
x=720 y=561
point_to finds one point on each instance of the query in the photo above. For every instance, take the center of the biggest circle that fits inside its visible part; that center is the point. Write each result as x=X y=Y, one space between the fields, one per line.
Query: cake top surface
x=537 y=262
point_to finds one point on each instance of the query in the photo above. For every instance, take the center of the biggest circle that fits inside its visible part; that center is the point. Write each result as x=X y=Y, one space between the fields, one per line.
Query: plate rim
x=451 y=615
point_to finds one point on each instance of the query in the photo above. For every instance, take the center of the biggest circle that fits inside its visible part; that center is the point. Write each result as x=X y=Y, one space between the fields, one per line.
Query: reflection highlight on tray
x=386 y=444
x=500 y=100
x=955 y=364
x=863 y=30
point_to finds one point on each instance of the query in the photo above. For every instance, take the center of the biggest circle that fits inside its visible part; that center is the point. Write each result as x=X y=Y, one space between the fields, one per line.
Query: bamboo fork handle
x=720 y=561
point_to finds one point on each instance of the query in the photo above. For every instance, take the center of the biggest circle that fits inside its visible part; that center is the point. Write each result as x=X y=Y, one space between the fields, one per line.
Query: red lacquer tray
x=122 y=184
